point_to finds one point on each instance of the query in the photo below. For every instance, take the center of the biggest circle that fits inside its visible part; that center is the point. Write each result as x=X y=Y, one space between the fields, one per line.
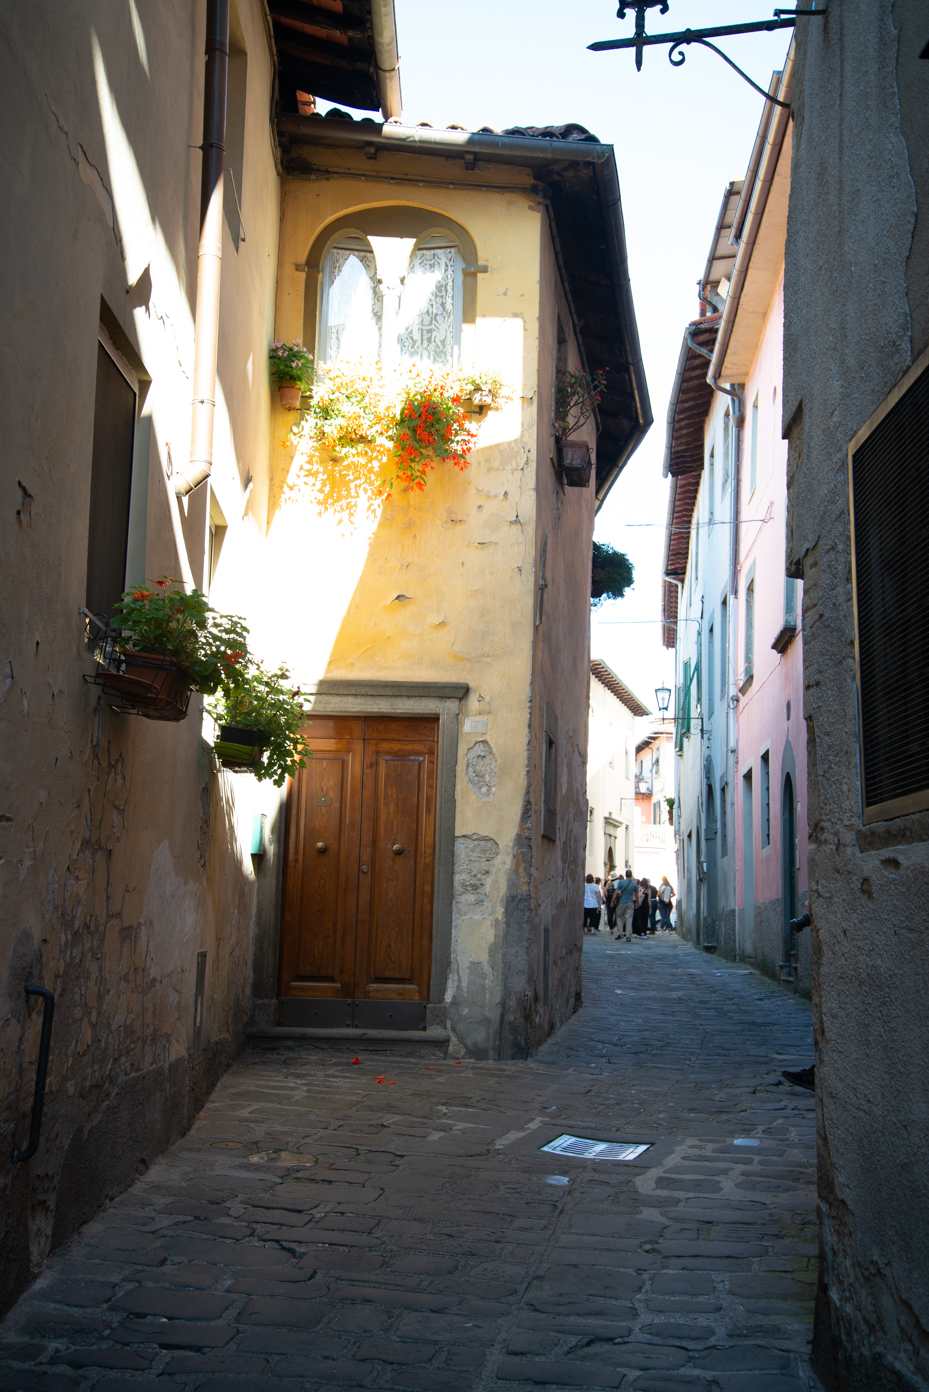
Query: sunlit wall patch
x=584 y=1149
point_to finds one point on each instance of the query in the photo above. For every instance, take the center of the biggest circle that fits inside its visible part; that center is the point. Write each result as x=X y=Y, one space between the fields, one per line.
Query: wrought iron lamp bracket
x=783 y=19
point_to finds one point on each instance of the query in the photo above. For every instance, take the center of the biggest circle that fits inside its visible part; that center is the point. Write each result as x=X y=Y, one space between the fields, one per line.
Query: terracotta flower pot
x=289 y=394
x=152 y=684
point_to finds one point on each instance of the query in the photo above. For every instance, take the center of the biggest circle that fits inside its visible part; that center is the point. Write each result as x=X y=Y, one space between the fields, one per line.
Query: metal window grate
x=889 y=481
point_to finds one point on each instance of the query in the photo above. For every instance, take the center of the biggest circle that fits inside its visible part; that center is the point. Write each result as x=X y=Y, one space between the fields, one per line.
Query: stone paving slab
x=394 y=1224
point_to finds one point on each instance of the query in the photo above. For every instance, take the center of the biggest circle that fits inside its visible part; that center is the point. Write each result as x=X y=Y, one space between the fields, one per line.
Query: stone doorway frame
x=359 y=698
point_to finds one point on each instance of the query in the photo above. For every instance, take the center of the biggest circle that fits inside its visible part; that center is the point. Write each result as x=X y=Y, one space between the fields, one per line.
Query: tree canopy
x=611 y=574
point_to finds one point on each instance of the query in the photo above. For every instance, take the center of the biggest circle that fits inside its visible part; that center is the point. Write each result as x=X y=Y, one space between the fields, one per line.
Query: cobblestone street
x=391 y=1222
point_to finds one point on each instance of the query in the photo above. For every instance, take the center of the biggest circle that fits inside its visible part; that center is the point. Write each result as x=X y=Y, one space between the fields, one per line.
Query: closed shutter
x=889 y=487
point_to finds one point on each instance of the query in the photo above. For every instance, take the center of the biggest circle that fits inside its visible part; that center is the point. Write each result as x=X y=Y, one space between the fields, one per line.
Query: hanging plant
x=366 y=430
x=576 y=394
x=181 y=625
x=259 y=719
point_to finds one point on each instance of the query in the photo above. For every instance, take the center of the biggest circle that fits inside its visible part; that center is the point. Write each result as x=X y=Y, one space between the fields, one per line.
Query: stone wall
x=856 y=317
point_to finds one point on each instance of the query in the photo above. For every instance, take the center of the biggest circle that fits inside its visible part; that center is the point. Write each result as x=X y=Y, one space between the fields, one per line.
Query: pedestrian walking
x=602 y=902
x=665 y=900
x=642 y=908
x=612 y=899
x=591 y=905
x=652 y=908
x=625 y=907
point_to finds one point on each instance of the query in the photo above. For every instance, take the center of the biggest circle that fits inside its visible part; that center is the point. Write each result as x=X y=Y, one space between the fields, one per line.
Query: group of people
x=634 y=908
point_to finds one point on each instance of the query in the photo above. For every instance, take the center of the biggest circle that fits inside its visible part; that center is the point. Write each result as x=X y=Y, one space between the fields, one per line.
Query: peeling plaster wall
x=856 y=317
x=122 y=852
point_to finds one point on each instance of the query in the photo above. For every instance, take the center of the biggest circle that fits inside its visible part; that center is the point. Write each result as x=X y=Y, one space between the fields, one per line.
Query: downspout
x=210 y=257
x=386 y=58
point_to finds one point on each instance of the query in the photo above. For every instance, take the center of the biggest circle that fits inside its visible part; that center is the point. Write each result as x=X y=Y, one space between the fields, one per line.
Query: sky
x=680 y=135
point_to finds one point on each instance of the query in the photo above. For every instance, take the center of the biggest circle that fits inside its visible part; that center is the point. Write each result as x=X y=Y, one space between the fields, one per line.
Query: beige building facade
x=611 y=773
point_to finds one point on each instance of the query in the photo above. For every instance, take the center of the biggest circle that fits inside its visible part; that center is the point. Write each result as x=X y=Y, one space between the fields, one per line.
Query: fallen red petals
x=356 y=1060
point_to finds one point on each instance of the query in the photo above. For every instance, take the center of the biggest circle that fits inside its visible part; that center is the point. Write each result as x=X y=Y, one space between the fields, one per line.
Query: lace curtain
x=353 y=306
x=422 y=314
x=426 y=320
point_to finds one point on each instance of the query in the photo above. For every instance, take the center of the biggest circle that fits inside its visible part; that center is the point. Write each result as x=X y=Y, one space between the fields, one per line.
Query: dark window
x=723 y=643
x=550 y=775
x=710 y=670
x=889 y=478
x=723 y=820
x=110 y=485
x=765 y=795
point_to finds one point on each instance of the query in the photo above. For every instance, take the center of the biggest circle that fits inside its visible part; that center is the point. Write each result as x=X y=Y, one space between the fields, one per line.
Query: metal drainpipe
x=210 y=259
x=386 y=58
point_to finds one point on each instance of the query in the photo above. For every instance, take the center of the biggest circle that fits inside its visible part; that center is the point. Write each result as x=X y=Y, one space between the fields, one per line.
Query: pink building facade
x=770 y=786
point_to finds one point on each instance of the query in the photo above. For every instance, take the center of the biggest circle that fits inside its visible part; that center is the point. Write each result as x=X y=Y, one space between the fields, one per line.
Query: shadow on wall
x=126 y=1075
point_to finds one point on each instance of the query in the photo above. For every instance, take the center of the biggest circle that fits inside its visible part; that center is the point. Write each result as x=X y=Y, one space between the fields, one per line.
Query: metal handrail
x=38 y=1098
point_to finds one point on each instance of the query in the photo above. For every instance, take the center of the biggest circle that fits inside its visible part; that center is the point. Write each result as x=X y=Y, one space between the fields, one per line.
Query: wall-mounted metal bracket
x=783 y=19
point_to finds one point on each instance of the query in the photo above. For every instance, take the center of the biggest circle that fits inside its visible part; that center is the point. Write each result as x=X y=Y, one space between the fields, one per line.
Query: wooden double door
x=356 y=922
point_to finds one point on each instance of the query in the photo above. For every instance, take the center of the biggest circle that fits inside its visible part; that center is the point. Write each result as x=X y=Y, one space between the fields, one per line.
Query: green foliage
x=670 y=803
x=575 y=396
x=207 y=646
x=483 y=387
x=291 y=364
x=266 y=701
x=611 y=574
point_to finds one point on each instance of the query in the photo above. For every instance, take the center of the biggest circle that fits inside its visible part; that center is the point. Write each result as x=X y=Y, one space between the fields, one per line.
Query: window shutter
x=110 y=485
x=889 y=488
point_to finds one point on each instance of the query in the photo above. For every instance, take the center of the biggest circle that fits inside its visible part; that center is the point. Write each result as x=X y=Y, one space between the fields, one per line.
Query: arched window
x=393 y=284
x=395 y=299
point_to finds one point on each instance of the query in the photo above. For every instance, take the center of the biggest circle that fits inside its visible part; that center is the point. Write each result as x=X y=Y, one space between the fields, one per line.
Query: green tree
x=611 y=574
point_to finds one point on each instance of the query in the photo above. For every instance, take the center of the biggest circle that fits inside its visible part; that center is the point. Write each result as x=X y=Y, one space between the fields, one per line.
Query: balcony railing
x=647 y=834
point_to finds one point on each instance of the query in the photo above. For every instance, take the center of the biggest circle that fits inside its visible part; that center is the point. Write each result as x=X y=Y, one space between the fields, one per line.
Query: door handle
x=398 y=849
x=364 y=869
x=321 y=846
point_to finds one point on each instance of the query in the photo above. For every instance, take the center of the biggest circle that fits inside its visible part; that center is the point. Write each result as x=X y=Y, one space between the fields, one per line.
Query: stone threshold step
x=434 y=1038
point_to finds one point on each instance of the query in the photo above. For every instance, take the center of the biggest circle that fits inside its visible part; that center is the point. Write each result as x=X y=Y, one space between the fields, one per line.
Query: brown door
x=356 y=924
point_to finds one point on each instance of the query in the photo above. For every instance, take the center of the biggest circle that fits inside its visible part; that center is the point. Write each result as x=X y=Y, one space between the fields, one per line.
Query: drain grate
x=593 y=1150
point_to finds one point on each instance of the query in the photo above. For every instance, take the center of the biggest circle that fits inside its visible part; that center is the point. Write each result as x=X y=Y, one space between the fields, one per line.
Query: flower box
x=150 y=684
x=575 y=462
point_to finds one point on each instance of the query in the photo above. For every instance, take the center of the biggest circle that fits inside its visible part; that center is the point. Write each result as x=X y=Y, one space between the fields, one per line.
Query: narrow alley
x=317 y=1230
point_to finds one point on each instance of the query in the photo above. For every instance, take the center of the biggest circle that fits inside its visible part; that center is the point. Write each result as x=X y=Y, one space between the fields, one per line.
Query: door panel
x=356 y=921
x=321 y=870
x=394 y=958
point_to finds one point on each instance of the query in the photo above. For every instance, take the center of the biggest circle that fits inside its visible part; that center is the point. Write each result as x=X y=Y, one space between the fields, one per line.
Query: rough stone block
x=105 y=1358
x=746 y=1358
x=561 y=1374
x=173 y=1334
x=403 y=1300
x=224 y=1382
x=429 y=1380
x=362 y=1319
x=218 y=1363
x=527 y=1342
x=386 y=1351
x=674 y=1382
x=80 y=1293
x=171 y=1304
x=425 y=1266
x=670 y=1329
x=766 y=1287
x=311 y=1369
x=441 y=1328
x=682 y=1283
x=12 y=1380
x=291 y=1313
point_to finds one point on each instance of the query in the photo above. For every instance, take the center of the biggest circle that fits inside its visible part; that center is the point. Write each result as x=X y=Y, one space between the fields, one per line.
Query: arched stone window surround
x=396 y=220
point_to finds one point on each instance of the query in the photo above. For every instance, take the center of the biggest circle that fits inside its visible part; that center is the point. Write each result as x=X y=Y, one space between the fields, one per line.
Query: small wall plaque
x=476 y=725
